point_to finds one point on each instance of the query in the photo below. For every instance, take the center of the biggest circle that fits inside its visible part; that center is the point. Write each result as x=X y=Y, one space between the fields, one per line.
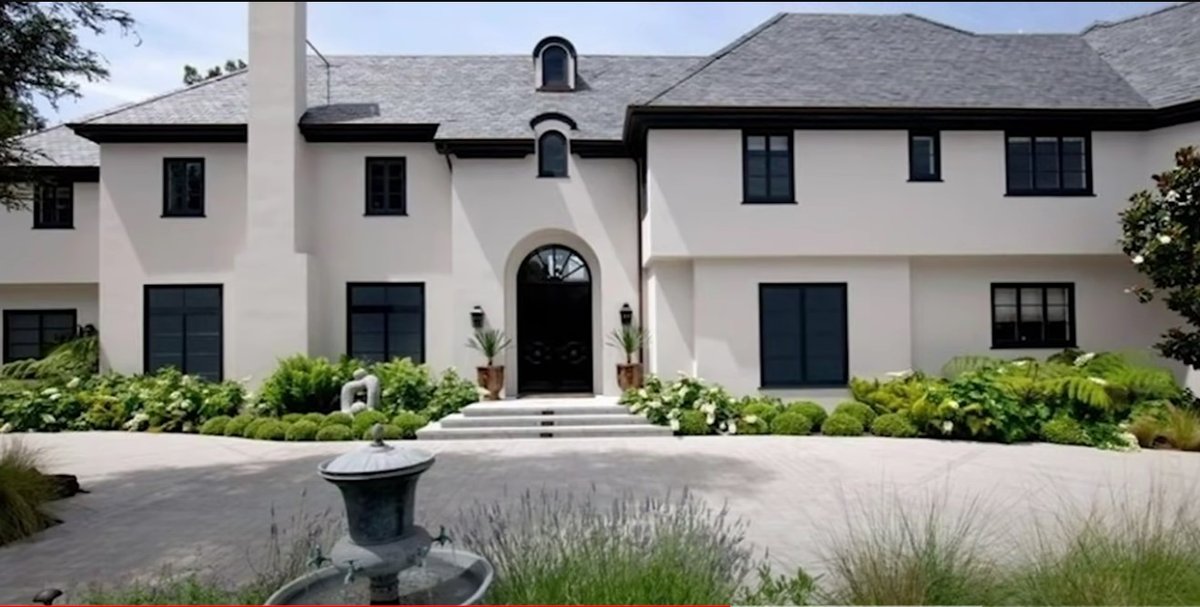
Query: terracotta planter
x=629 y=376
x=491 y=379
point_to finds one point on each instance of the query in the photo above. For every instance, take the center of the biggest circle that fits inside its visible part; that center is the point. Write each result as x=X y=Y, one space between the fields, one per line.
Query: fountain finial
x=377 y=435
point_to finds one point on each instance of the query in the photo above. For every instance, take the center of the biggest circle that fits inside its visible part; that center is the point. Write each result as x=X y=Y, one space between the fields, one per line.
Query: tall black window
x=924 y=156
x=802 y=333
x=767 y=167
x=1033 y=315
x=34 y=333
x=386 y=321
x=554 y=67
x=1048 y=165
x=54 y=206
x=183 y=329
x=183 y=187
x=386 y=183
x=552 y=155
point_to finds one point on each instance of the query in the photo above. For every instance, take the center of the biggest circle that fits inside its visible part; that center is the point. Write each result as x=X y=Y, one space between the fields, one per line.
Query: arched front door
x=554 y=322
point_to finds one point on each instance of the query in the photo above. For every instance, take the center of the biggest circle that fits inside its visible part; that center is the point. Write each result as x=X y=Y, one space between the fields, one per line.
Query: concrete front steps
x=543 y=418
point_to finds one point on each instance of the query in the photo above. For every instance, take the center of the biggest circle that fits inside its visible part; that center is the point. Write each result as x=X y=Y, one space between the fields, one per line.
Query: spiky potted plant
x=491 y=343
x=629 y=339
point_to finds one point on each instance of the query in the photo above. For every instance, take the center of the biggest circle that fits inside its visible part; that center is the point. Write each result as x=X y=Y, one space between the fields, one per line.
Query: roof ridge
x=938 y=24
x=160 y=96
x=1104 y=24
x=721 y=52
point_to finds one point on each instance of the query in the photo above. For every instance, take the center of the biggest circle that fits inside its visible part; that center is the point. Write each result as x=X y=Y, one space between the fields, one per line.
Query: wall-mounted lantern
x=626 y=315
x=477 y=317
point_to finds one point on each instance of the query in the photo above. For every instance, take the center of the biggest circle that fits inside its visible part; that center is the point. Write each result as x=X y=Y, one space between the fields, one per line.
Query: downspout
x=640 y=166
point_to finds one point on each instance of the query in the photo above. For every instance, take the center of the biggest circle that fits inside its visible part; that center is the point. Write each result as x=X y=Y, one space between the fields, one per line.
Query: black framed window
x=34 y=333
x=924 y=156
x=385 y=321
x=184 y=329
x=183 y=187
x=387 y=182
x=1048 y=165
x=554 y=67
x=767 y=168
x=1033 y=315
x=803 y=335
x=54 y=206
x=552 y=155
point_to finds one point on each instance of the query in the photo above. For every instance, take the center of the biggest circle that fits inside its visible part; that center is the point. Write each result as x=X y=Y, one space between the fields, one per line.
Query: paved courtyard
x=182 y=500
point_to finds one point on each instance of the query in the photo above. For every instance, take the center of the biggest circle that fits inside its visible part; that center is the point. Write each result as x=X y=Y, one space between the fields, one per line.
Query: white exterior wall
x=501 y=212
x=349 y=246
x=52 y=256
x=854 y=198
x=138 y=246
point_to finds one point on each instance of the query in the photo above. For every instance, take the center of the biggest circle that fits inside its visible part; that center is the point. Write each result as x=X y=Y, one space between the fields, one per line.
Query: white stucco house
x=827 y=196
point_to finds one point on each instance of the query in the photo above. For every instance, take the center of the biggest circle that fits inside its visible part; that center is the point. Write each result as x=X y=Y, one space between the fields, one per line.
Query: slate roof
x=1158 y=53
x=59 y=146
x=795 y=60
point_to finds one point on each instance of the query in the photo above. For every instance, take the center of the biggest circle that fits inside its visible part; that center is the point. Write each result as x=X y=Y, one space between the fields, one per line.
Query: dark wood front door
x=554 y=322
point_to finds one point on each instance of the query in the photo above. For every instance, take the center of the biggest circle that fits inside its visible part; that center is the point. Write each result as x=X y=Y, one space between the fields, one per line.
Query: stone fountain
x=386 y=559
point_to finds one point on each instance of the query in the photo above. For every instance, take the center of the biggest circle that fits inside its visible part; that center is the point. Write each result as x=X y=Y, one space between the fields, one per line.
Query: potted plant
x=629 y=339
x=491 y=343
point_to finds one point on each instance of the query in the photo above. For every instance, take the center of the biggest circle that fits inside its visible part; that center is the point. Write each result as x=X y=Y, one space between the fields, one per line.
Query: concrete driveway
x=187 y=501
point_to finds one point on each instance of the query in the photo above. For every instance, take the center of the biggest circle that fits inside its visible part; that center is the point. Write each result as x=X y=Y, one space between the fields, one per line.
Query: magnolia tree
x=1162 y=238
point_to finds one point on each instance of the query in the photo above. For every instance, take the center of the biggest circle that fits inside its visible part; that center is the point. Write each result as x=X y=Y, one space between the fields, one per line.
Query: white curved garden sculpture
x=362 y=382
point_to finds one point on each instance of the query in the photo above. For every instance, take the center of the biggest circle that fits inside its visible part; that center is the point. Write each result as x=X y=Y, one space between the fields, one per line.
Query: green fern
x=963 y=364
x=1082 y=390
x=1141 y=384
x=78 y=357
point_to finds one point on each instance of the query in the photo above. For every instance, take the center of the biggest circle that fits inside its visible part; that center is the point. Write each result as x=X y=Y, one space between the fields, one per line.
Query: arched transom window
x=552 y=155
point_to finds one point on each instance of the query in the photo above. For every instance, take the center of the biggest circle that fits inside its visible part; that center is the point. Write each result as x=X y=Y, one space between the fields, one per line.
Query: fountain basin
x=448 y=577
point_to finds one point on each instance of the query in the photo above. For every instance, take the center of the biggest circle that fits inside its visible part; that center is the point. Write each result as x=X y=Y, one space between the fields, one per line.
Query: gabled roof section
x=1157 y=53
x=57 y=146
x=900 y=61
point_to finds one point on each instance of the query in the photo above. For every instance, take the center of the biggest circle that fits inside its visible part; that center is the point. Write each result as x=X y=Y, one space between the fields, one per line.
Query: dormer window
x=554 y=68
x=554 y=65
x=552 y=155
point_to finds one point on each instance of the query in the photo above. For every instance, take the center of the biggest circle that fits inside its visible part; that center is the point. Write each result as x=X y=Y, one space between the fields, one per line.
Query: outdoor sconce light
x=626 y=315
x=477 y=317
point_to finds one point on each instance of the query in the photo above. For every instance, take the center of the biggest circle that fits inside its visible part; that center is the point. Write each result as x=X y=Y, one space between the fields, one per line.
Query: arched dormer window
x=554 y=68
x=552 y=155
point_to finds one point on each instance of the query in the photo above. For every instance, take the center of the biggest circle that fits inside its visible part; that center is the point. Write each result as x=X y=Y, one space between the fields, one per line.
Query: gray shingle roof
x=59 y=146
x=1158 y=54
x=484 y=97
x=813 y=60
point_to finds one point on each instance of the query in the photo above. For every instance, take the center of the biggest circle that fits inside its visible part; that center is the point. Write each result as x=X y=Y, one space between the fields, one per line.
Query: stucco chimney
x=271 y=276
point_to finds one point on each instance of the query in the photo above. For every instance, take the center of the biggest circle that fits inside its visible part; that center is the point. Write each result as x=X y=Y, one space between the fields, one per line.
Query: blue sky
x=207 y=33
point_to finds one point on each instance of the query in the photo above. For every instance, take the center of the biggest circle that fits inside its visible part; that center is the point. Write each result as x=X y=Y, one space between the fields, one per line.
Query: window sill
x=385 y=214
x=1049 y=195
x=182 y=216
x=1035 y=346
x=553 y=176
x=928 y=180
x=769 y=202
x=820 y=386
x=53 y=227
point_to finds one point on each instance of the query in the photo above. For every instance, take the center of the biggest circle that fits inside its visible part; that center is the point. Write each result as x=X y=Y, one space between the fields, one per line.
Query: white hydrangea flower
x=6 y=428
x=654 y=404
x=751 y=419
x=952 y=404
x=49 y=391
x=642 y=392
x=732 y=428
x=674 y=425
x=74 y=383
x=1164 y=239
x=1172 y=196
x=711 y=419
x=1020 y=363
x=900 y=374
x=176 y=395
x=1084 y=359
x=55 y=396
x=947 y=427
x=1130 y=442
x=708 y=409
x=1138 y=260
x=1098 y=381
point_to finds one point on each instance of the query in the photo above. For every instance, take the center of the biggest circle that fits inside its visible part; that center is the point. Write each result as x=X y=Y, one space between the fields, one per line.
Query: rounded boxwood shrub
x=1064 y=431
x=252 y=428
x=292 y=418
x=334 y=432
x=338 y=419
x=791 y=423
x=762 y=409
x=215 y=426
x=842 y=424
x=235 y=426
x=302 y=430
x=316 y=418
x=408 y=423
x=271 y=429
x=692 y=423
x=814 y=412
x=894 y=425
x=364 y=420
x=863 y=412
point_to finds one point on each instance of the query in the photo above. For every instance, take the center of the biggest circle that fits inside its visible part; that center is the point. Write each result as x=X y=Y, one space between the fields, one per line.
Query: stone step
x=436 y=431
x=543 y=407
x=458 y=420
